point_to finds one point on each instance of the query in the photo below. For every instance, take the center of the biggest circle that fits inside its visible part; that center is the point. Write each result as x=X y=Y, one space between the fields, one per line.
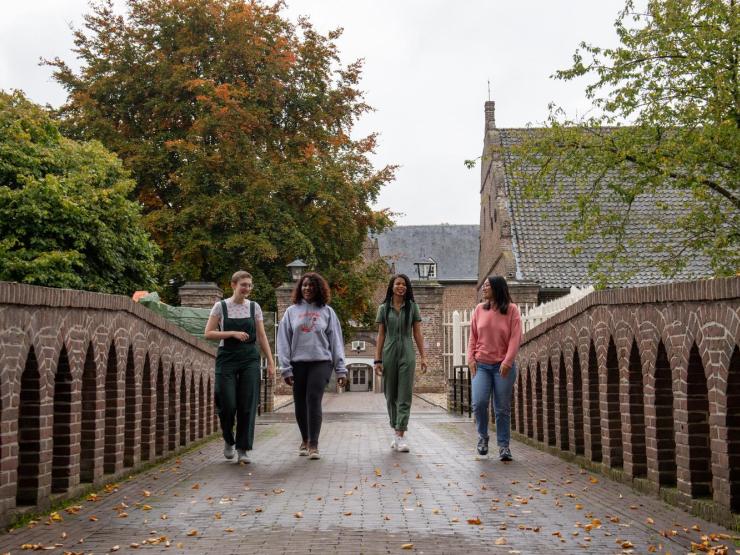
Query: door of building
x=360 y=377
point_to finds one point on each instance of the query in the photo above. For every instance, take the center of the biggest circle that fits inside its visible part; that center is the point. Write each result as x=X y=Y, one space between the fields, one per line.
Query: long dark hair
x=408 y=299
x=323 y=295
x=501 y=296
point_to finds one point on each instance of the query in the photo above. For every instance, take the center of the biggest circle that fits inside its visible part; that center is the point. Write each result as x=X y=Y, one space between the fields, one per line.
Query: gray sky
x=426 y=67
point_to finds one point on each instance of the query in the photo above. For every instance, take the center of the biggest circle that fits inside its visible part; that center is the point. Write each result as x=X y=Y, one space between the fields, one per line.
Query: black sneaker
x=483 y=447
x=504 y=454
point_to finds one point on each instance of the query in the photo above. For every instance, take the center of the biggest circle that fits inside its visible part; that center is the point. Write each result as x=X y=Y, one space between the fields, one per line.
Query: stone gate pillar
x=200 y=294
x=428 y=295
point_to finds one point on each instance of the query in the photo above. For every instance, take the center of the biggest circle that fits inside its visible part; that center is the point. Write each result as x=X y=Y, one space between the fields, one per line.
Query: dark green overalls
x=238 y=380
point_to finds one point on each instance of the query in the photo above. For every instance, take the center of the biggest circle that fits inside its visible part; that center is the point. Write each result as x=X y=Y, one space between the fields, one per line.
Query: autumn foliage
x=237 y=126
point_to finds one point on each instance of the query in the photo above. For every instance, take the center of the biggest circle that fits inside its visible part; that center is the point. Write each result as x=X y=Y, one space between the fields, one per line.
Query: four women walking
x=310 y=346
x=398 y=320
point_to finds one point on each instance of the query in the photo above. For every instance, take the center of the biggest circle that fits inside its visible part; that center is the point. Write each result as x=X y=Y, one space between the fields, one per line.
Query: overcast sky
x=427 y=63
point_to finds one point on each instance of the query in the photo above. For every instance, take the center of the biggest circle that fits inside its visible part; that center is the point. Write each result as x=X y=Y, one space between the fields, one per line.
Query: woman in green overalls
x=237 y=324
x=398 y=319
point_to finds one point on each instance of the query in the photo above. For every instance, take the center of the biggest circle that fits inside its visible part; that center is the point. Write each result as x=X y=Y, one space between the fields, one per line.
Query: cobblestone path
x=363 y=498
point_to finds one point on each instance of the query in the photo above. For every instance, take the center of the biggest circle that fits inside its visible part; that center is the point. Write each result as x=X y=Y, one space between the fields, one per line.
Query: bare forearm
x=218 y=335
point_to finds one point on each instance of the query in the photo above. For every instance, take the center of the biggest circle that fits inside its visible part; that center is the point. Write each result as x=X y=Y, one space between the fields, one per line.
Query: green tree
x=237 y=127
x=65 y=217
x=666 y=126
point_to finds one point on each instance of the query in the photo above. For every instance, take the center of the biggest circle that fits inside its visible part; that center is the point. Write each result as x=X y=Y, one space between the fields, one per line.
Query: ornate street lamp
x=424 y=267
x=297 y=268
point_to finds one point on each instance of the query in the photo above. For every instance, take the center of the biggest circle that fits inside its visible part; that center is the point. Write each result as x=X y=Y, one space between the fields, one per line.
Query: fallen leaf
x=455 y=519
x=627 y=544
x=378 y=472
x=146 y=493
x=192 y=533
x=649 y=520
x=258 y=509
x=299 y=514
x=146 y=507
x=474 y=520
x=347 y=513
x=228 y=529
x=500 y=541
x=93 y=518
x=115 y=548
x=407 y=546
x=195 y=486
x=593 y=480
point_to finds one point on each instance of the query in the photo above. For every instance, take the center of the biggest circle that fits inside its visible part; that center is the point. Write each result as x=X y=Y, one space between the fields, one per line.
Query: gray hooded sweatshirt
x=308 y=332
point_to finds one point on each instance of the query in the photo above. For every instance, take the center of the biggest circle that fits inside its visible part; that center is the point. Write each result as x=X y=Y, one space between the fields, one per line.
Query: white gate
x=456 y=331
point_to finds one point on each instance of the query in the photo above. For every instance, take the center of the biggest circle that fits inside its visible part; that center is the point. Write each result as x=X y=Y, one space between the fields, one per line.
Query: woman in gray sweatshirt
x=309 y=347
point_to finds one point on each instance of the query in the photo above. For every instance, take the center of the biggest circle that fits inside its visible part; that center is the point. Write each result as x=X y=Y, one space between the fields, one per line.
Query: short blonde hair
x=240 y=275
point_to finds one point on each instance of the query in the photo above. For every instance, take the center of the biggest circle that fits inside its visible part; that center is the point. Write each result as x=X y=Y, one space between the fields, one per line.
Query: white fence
x=535 y=315
x=456 y=324
x=456 y=328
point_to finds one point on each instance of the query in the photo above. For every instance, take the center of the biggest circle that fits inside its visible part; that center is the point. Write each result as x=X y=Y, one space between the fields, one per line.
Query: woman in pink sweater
x=495 y=335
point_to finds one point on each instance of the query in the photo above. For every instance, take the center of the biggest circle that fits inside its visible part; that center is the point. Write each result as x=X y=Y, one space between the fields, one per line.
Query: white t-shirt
x=235 y=311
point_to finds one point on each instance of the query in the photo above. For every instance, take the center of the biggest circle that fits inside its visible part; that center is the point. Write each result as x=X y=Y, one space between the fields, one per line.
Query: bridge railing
x=644 y=382
x=91 y=387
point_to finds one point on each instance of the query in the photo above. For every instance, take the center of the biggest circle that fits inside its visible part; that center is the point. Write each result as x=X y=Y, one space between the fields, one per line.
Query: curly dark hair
x=323 y=295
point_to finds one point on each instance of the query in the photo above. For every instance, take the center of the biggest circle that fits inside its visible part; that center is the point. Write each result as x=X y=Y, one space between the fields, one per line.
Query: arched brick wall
x=658 y=387
x=79 y=376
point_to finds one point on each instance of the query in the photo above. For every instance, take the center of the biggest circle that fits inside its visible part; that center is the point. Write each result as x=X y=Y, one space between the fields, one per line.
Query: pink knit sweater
x=495 y=337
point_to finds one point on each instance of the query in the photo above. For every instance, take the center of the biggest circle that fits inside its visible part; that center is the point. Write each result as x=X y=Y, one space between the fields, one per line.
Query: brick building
x=450 y=286
x=525 y=240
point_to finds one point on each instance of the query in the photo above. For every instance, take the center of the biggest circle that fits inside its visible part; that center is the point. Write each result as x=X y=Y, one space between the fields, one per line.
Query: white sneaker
x=243 y=457
x=394 y=443
x=402 y=445
x=229 y=451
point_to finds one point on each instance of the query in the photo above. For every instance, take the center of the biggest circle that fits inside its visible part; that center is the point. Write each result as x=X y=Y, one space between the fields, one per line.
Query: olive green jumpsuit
x=399 y=362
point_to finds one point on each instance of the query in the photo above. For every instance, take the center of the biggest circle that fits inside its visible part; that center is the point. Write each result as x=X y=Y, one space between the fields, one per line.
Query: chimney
x=490 y=115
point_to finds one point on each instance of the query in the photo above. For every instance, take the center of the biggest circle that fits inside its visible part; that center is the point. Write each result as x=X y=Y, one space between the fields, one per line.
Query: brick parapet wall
x=642 y=381
x=112 y=414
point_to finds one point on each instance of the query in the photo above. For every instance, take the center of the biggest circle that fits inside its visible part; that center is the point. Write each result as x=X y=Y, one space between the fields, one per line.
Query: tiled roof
x=453 y=247
x=538 y=230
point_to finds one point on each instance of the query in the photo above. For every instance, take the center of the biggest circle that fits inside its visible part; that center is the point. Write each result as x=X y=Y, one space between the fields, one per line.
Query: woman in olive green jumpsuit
x=237 y=324
x=398 y=321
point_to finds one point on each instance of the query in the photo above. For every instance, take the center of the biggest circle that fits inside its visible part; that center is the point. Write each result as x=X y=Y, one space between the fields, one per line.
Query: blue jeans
x=487 y=381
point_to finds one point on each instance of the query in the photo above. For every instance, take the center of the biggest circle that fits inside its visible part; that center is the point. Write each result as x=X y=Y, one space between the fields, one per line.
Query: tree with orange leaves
x=237 y=126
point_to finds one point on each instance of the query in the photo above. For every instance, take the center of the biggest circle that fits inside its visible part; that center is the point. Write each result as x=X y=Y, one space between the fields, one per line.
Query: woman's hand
x=473 y=368
x=341 y=382
x=424 y=364
x=378 y=368
x=270 y=370
x=504 y=370
x=240 y=335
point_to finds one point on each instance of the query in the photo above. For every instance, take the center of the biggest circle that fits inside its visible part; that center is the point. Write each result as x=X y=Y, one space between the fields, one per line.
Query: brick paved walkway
x=362 y=498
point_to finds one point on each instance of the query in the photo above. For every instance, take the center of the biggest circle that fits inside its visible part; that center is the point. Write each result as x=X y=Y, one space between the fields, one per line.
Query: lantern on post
x=424 y=268
x=297 y=269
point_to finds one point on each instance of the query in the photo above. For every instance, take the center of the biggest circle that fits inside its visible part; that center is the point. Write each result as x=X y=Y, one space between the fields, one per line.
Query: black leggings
x=309 y=380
